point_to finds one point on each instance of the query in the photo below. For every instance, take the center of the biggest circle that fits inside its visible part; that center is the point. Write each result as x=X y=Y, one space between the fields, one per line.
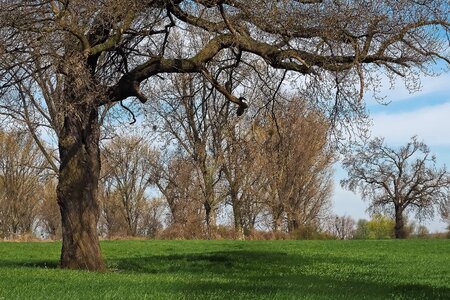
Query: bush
x=379 y=227
x=309 y=232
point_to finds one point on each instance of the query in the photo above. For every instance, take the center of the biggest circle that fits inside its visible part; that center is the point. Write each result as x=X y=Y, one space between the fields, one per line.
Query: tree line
x=272 y=175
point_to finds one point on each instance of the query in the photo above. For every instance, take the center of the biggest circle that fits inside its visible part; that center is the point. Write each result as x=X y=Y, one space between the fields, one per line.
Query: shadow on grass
x=254 y=274
x=42 y=264
x=241 y=274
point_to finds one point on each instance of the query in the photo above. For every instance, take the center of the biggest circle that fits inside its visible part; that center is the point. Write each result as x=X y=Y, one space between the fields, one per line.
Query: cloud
x=398 y=92
x=432 y=124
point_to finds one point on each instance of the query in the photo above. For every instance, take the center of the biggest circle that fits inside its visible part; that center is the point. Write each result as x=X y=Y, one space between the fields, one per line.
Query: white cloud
x=432 y=124
x=398 y=92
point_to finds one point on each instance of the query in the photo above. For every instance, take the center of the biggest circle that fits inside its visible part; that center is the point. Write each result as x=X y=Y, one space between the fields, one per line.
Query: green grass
x=411 y=269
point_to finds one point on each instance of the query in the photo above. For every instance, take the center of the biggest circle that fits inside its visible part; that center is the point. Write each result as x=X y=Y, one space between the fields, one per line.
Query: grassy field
x=411 y=269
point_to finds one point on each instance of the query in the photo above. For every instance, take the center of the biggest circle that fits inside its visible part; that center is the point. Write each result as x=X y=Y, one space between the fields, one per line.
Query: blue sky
x=425 y=113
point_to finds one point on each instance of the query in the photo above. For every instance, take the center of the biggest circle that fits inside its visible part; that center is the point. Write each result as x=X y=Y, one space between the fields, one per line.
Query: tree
x=188 y=111
x=21 y=168
x=342 y=227
x=398 y=180
x=297 y=163
x=378 y=227
x=48 y=211
x=64 y=64
x=173 y=177
x=126 y=169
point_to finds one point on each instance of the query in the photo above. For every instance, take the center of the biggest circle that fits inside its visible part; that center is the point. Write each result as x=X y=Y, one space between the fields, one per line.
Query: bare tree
x=173 y=177
x=189 y=111
x=398 y=180
x=48 y=210
x=243 y=174
x=298 y=166
x=342 y=227
x=127 y=162
x=21 y=166
x=151 y=222
x=64 y=63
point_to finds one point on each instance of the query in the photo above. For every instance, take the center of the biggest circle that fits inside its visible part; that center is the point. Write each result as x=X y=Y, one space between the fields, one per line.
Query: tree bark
x=77 y=190
x=210 y=219
x=399 y=229
x=238 y=227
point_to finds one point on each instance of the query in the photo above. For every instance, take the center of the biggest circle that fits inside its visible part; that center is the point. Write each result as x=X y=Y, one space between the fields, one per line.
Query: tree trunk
x=210 y=219
x=399 y=229
x=293 y=224
x=237 y=214
x=77 y=190
x=238 y=227
x=277 y=214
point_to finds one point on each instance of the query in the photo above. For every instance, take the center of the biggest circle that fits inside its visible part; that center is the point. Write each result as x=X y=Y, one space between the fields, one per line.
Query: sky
x=425 y=113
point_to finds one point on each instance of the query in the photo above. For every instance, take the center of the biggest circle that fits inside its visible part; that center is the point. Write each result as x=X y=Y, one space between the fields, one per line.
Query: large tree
x=187 y=112
x=297 y=163
x=65 y=63
x=398 y=180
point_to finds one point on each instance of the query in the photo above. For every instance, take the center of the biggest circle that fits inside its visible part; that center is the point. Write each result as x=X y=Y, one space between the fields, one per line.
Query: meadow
x=387 y=269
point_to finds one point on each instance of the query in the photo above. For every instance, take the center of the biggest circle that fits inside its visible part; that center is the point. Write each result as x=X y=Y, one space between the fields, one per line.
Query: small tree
x=398 y=180
x=342 y=227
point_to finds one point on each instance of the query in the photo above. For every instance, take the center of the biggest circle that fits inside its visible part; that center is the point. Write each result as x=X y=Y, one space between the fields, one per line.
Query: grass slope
x=411 y=269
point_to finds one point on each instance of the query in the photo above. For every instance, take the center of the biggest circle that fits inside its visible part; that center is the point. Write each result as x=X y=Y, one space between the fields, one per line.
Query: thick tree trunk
x=77 y=191
x=399 y=229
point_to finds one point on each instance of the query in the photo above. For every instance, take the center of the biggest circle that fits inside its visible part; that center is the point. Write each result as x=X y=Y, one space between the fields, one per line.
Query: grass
x=411 y=269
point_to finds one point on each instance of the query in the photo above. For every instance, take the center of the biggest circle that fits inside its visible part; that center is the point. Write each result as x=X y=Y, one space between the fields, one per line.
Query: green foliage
x=234 y=270
x=310 y=232
x=362 y=231
x=379 y=227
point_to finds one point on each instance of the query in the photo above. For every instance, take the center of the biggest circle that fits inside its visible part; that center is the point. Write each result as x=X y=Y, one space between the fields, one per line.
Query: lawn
x=410 y=269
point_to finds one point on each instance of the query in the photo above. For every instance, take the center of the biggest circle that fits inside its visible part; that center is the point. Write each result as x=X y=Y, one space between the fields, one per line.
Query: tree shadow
x=42 y=264
x=241 y=274
x=254 y=274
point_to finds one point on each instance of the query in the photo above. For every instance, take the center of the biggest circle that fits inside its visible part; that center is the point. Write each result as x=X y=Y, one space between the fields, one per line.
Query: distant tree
x=151 y=222
x=361 y=231
x=378 y=227
x=175 y=179
x=398 y=181
x=126 y=172
x=297 y=164
x=48 y=210
x=21 y=168
x=187 y=113
x=422 y=231
x=342 y=227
